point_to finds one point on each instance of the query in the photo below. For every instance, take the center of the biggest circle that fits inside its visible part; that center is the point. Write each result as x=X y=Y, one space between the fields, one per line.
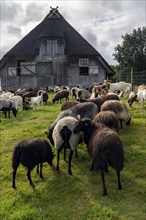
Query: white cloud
x=102 y=23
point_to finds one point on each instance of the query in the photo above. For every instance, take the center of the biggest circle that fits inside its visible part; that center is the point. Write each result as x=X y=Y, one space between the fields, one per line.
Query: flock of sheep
x=94 y=116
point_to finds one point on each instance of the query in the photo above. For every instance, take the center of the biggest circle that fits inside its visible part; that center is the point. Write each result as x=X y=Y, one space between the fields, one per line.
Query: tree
x=130 y=52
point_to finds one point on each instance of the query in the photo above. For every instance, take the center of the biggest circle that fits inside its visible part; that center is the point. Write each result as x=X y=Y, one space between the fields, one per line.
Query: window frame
x=83 y=66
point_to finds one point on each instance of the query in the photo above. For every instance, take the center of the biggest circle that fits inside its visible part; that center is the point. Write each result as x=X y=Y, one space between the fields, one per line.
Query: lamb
x=104 y=147
x=68 y=104
x=108 y=118
x=31 y=153
x=119 y=108
x=7 y=106
x=100 y=100
x=60 y=95
x=37 y=101
x=87 y=109
x=44 y=95
x=64 y=137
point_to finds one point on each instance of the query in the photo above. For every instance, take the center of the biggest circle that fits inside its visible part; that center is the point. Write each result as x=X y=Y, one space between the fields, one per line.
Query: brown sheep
x=104 y=147
x=68 y=104
x=100 y=100
x=119 y=108
x=60 y=95
x=109 y=119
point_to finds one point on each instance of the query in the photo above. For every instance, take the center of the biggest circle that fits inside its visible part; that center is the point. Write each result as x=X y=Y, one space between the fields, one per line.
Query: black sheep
x=31 y=153
x=104 y=147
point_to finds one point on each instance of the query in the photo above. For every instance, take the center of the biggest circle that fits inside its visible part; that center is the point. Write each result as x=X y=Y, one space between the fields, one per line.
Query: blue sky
x=101 y=23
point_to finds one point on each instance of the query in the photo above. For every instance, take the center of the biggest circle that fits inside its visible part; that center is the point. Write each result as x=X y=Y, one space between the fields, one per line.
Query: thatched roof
x=55 y=26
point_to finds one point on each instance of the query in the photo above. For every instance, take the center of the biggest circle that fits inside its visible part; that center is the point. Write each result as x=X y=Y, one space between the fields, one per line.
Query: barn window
x=52 y=47
x=93 y=70
x=12 y=71
x=83 y=66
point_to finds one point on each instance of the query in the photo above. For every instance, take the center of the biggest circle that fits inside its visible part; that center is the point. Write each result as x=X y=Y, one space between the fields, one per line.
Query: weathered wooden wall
x=50 y=68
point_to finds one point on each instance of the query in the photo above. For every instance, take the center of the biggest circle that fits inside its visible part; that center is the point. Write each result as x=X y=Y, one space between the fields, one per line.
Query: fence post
x=132 y=77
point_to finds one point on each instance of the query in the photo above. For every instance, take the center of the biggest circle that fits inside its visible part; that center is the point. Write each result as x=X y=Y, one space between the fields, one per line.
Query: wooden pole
x=132 y=77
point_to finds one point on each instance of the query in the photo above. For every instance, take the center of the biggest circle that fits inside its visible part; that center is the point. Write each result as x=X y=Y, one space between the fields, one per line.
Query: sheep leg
x=76 y=153
x=5 y=114
x=106 y=168
x=58 y=157
x=69 y=163
x=103 y=182
x=121 y=124
x=9 y=114
x=14 y=177
x=41 y=166
x=119 y=182
x=37 y=169
x=29 y=177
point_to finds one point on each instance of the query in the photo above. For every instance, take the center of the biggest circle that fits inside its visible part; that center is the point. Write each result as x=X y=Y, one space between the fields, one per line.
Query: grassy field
x=76 y=197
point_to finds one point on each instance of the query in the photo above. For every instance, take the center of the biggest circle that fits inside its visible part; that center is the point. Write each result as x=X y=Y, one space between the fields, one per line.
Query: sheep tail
x=65 y=134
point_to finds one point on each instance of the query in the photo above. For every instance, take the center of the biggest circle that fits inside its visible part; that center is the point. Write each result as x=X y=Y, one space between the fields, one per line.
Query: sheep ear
x=78 y=117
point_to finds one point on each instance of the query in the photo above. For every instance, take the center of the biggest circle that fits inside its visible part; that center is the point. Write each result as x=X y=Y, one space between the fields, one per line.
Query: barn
x=53 y=53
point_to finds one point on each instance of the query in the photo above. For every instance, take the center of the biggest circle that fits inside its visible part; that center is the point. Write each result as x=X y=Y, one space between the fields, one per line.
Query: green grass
x=76 y=197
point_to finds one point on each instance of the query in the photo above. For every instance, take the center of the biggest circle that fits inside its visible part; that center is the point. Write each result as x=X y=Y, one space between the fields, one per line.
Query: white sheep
x=64 y=137
x=6 y=95
x=120 y=86
x=18 y=101
x=37 y=101
x=140 y=96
